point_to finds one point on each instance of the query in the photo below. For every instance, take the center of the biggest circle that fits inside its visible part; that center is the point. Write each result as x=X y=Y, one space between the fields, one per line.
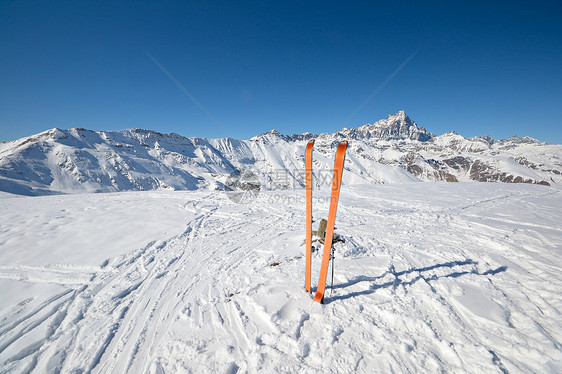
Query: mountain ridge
x=391 y=150
x=388 y=122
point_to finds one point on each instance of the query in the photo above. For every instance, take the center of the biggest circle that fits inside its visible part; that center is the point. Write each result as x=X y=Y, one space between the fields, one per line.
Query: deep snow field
x=433 y=277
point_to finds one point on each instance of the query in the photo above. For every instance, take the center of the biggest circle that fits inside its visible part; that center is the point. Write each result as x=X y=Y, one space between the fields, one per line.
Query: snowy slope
x=393 y=150
x=433 y=277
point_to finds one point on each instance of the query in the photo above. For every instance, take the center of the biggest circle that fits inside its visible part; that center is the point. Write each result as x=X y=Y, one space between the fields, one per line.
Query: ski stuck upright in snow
x=336 y=184
x=308 y=177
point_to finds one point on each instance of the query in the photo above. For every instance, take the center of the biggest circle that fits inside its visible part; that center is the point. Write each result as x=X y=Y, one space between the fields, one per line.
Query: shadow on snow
x=399 y=282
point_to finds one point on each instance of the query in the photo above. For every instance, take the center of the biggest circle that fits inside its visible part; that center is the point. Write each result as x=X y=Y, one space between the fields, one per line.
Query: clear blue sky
x=481 y=68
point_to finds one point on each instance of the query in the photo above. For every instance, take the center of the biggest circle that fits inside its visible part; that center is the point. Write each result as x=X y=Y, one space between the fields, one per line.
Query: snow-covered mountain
x=395 y=127
x=392 y=150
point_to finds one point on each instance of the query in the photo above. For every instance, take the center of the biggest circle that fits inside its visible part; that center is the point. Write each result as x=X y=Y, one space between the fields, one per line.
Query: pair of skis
x=336 y=184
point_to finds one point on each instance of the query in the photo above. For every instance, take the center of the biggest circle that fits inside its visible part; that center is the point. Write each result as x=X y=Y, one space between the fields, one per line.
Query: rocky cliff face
x=395 y=127
x=392 y=150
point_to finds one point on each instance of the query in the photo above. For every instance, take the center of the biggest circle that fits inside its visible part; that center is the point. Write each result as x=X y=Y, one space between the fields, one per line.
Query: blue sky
x=478 y=68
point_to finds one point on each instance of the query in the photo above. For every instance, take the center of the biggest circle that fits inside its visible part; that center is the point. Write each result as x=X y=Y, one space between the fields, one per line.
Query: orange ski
x=308 y=177
x=336 y=184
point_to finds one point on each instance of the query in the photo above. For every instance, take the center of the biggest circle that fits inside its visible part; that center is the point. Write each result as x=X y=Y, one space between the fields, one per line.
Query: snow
x=433 y=277
x=51 y=229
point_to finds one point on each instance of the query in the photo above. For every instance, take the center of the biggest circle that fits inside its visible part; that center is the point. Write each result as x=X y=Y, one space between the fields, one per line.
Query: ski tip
x=311 y=141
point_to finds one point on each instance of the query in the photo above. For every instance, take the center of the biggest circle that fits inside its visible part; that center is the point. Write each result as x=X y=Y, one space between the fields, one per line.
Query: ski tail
x=308 y=177
x=336 y=184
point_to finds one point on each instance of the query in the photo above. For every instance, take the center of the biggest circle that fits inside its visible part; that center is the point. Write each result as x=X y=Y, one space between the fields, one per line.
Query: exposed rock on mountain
x=393 y=150
x=395 y=127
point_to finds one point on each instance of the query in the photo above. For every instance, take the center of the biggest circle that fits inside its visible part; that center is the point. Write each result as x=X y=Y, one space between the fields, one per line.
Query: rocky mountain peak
x=270 y=136
x=395 y=127
x=399 y=117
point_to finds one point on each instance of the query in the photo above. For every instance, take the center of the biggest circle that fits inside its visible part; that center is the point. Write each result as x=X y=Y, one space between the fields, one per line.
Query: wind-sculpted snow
x=431 y=278
x=393 y=150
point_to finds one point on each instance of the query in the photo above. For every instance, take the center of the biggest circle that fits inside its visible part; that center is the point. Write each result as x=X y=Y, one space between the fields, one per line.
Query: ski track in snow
x=432 y=277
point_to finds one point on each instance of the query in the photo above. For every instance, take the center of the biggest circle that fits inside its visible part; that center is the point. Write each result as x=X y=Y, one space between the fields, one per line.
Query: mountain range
x=392 y=150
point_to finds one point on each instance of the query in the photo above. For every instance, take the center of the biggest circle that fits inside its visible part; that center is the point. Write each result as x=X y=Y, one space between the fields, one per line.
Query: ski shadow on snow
x=400 y=282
